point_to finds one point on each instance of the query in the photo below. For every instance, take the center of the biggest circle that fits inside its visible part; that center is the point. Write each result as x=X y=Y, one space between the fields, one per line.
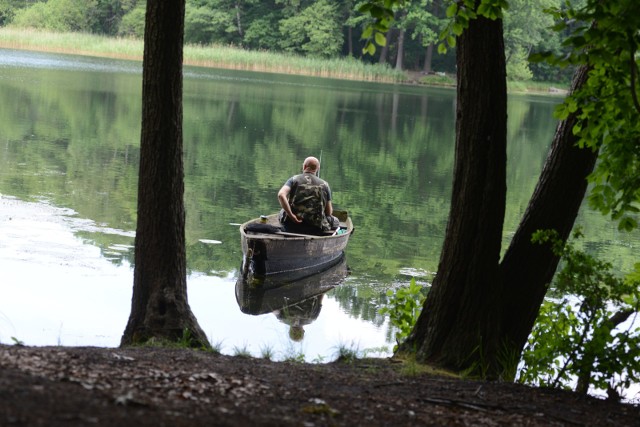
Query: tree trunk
x=239 y=21
x=528 y=268
x=384 y=52
x=428 y=58
x=159 y=307
x=457 y=327
x=400 y=56
x=468 y=293
x=429 y=52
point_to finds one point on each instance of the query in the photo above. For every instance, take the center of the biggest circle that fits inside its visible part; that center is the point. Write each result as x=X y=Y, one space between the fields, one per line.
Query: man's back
x=308 y=198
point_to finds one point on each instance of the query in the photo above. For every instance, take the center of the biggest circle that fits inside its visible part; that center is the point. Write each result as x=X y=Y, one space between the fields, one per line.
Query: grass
x=438 y=80
x=347 y=353
x=216 y=56
x=229 y=57
x=410 y=367
x=267 y=352
x=242 y=351
x=538 y=88
x=217 y=347
x=512 y=86
x=294 y=357
x=17 y=342
x=71 y=43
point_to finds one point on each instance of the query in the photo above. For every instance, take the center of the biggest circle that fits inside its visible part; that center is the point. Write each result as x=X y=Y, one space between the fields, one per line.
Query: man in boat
x=306 y=202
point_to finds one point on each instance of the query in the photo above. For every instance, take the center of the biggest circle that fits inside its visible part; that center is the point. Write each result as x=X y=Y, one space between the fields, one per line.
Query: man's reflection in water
x=300 y=314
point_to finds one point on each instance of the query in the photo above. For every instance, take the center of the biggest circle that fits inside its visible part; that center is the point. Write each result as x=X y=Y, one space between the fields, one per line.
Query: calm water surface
x=70 y=131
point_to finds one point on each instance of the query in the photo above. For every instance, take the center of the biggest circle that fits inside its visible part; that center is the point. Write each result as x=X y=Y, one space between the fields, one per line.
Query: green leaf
x=377 y=11
x=540 y=56
x=627 y=224
x=578 y=42
x=452 y=10
x=381 y=40
x=483 y=10
x=577 y=128
x=369 y=48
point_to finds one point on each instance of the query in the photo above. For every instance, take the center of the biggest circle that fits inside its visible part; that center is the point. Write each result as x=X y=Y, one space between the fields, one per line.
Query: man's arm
x=328 y=207
x=283 y=199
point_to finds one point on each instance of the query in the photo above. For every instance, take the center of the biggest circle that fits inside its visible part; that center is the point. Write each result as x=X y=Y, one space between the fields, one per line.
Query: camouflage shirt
x=308 y=197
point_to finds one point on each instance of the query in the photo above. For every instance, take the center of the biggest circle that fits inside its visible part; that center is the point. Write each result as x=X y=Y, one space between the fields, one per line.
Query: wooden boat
x=269 y=251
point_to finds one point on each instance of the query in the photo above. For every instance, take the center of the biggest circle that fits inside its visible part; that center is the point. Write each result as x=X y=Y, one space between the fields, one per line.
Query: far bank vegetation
x=320 y=38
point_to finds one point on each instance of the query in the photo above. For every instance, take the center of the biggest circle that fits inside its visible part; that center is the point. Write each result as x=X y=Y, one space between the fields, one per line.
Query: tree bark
x=429 y=52
x=457 y=327
x=384 y=52
x=477 y=307
x=428 y=58
x=239 y=21
x=400 y=56
x=159 y=307
x=528 y=268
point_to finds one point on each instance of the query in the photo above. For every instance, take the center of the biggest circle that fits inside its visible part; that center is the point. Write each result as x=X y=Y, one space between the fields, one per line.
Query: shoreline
x=230 y=58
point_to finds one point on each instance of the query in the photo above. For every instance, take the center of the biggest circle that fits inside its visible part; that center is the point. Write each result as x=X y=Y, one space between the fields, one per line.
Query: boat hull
x=292 y=255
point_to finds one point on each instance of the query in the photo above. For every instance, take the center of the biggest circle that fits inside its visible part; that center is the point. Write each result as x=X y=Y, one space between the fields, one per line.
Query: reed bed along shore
x=214 y=56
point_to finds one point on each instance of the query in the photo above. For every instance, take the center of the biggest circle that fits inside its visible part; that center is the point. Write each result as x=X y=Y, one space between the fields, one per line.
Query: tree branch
x=620 y=317
x=572 y=357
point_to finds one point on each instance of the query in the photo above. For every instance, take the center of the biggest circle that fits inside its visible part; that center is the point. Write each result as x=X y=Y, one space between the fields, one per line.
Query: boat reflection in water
x=295 y=301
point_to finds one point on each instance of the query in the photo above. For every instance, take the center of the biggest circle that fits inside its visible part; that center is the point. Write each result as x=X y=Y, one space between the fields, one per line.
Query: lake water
x=70 y=129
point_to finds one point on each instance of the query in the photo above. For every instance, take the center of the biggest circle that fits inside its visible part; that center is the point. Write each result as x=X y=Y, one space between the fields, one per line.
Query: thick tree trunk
x=159 y=307
x=457 y=327
x=528 y=268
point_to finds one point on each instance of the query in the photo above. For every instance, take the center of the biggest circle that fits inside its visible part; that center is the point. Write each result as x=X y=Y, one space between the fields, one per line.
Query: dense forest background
x=321 y=28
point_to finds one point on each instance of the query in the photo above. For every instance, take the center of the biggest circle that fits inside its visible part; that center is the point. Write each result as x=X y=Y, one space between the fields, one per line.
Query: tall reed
x=216 y=56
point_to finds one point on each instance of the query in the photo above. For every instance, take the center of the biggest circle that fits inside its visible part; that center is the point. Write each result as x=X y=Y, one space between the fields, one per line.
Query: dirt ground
x=84 y=386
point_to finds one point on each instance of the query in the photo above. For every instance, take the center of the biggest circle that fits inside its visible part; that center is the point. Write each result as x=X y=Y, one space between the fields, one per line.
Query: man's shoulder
x=315 y=179
x=307 y=179
x=292 y=180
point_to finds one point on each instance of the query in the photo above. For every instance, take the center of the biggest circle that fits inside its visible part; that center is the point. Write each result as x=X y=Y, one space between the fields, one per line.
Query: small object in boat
x=263 y=219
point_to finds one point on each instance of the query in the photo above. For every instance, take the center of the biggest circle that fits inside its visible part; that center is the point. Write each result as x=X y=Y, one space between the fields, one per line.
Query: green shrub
x=404 y=307
x=577 y=341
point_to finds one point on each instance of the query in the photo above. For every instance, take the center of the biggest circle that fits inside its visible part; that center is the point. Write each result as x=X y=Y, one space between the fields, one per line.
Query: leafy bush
x=404 y=307
x=518 y=66
x=59 y=15
x=579 y=340
x=315 y=31
x=132 y=24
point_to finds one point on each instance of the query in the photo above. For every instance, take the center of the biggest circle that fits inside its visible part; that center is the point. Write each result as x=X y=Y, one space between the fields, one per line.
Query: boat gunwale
x=273 y=219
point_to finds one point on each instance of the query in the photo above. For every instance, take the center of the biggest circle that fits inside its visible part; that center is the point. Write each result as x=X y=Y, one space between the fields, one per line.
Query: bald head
x=311 y=165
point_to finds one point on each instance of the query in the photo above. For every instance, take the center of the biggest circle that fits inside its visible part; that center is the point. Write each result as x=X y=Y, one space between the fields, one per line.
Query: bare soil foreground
x=82 y=386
